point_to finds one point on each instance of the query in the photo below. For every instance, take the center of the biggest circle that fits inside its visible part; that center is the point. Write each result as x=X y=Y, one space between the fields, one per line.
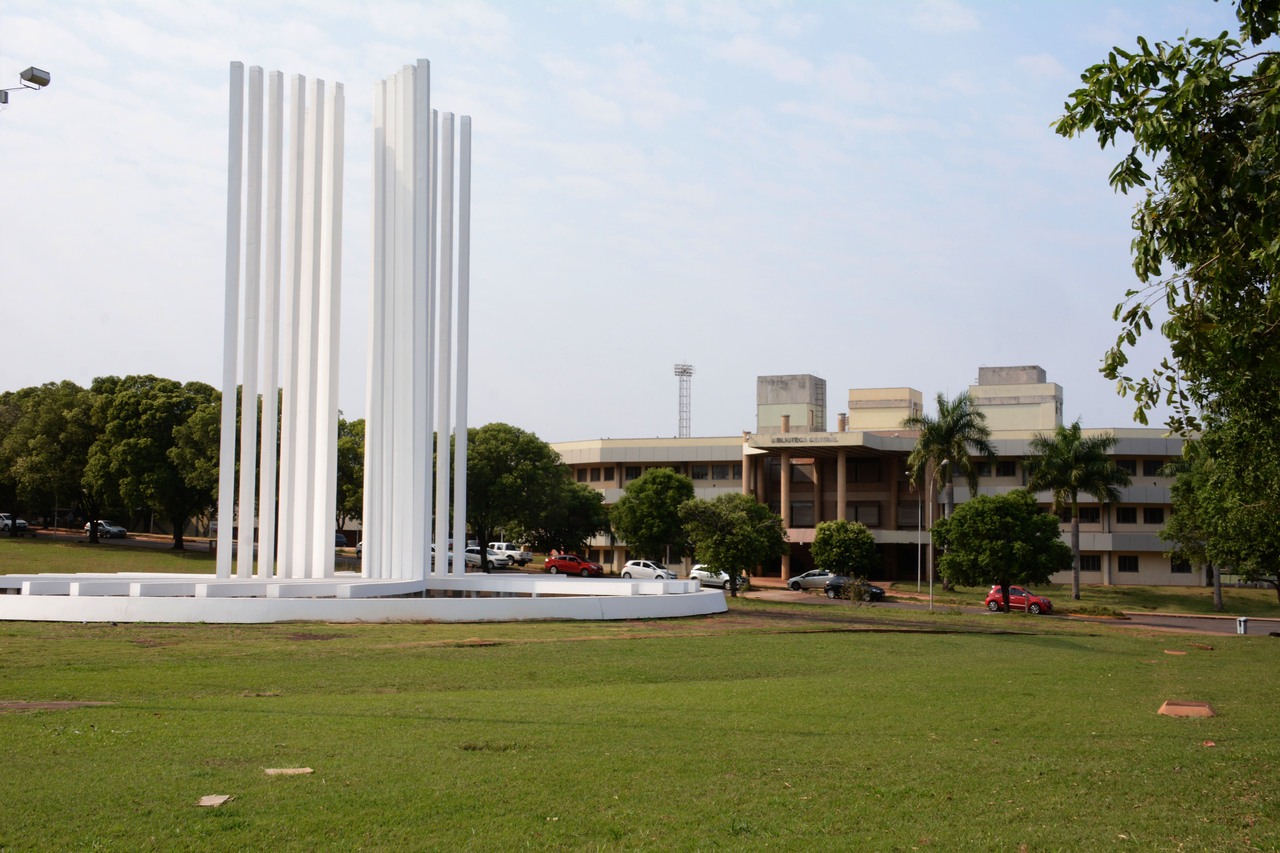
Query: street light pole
x=930 y=489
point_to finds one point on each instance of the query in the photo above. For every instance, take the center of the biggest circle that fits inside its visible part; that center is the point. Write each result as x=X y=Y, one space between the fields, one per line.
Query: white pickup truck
x=518 y=555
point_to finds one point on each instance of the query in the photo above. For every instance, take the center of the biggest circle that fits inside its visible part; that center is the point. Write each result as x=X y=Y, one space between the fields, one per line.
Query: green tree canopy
x=574 y=513
x=1000 y=539
x=160 y=447
x=647 y=516
x=844 y=548
x=733 y=533
x=515 y=482
x=350 y=484
x=946 y=443
x=1068 y=463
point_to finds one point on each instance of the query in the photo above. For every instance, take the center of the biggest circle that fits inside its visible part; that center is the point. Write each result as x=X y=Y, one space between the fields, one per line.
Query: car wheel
x=1034 y=608
x=993 y=606
x=795 y=587
x=626 y=575
x=866 y=596
x=831 y=593
x=584 y=573
x=552 y=570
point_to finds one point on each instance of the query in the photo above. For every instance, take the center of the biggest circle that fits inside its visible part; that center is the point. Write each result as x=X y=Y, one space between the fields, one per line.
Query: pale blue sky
x=867 y=191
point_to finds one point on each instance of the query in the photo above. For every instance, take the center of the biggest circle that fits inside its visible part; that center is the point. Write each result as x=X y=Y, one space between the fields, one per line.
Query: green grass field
x=774 y=726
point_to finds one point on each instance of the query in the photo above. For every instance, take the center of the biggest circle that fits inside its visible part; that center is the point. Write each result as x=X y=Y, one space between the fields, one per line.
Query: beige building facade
x=858 y=472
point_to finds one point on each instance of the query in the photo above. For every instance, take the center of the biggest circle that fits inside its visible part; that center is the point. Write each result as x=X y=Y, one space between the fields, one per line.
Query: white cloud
x=1041 y=65
x=942 y=17
x=753 y=52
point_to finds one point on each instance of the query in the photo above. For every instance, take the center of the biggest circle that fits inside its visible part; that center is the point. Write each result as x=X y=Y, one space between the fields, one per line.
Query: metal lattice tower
x=685 y=372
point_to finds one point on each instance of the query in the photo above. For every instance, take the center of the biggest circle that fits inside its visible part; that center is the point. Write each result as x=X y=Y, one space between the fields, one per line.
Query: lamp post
x=919 y=531
x=32 y=78
x=930 y=490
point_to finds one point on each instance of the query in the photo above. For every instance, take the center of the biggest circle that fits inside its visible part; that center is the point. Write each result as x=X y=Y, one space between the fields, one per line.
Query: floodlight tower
x=685 y=372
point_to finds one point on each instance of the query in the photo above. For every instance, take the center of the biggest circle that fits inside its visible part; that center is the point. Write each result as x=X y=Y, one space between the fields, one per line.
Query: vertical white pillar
x=464 y=307
x=420 y=552
x=227 y=449
x=271 y=330
x=289 y=342
x=328 y=328
x=404 y=323
x=435 y=563
x=249 y=356
x=373 y=455
x=444 y=367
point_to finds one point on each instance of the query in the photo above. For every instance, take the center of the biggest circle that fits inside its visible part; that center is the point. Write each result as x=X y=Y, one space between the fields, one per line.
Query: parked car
x=815 y=579
x=647 y=569
x=834 y=588
x=106 y=529
x=572 y=564
x=339 y=539
x=518 y=555
x=359 y=549
x=7 y=521
x=707 y=577
x=1019 y=599
x=492 y=559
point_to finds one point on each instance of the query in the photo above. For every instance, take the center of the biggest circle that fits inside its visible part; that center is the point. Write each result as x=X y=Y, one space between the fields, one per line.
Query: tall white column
x=372 y=563
x=290 y=333
x=420 y=553
x=444 y=324
x=249 y=356
x=231 y=326
x=271 y=330
x=464 y=307
x=328 y=328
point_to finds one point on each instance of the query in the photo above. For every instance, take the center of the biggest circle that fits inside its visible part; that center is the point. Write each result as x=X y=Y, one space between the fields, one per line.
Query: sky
x=870 y=192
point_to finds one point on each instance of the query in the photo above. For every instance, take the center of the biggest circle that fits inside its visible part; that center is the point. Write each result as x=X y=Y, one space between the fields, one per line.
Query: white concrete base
x=345 y=597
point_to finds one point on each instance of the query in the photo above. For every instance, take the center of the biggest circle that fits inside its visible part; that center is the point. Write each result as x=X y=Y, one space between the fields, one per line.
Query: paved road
x=1192 y=624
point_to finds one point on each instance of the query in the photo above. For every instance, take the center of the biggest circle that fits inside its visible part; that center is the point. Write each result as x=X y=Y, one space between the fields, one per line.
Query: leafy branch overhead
x=1201 y=117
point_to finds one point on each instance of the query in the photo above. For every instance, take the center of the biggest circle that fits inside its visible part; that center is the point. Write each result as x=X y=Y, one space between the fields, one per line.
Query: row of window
x=1128 y=564
x=727 y=471
x=1124 y=515
x=1008 y=467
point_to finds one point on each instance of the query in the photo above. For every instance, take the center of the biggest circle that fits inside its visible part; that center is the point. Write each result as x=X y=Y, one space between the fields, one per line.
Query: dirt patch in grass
x=299 y=637
x=12 y=706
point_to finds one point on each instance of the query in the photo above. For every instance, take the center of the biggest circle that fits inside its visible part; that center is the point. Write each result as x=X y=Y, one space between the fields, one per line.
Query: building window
x=582 y=475
x=866 y=513
x=1090 y=563
x=773 y=468
x=699 y=472
x=1126 y=515
x=1127 y=563
x=984 y=469
x=908 y=516
x=1090 y=514
x=737 y=471
x=1180 y=566
x=632 y=472
x=802 y=473
x=1006 y=468
x=864 y=471
x=719 y=472
x=607 y=474
x=595 y=475
x=1152 y=467
x=1153 y=515
x=1129 y=466
x=802 y=513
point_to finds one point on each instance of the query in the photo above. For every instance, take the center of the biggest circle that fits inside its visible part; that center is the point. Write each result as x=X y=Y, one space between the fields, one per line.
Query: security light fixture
x=32 y=78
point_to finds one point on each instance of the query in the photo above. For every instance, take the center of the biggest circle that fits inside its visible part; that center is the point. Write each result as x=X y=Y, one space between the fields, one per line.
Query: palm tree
x=1066 y=464
x=945 y=444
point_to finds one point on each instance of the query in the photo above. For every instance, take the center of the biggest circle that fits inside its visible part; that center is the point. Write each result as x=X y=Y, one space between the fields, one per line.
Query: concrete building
x=807 y=474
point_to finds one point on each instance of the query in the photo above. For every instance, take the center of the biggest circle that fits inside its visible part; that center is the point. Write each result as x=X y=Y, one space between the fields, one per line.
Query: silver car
x=492 y=559
x=815 y=579
x=647 y=569
x=709 y=577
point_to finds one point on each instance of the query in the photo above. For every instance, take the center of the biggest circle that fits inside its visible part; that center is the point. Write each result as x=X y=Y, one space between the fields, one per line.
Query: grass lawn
x=774 y=726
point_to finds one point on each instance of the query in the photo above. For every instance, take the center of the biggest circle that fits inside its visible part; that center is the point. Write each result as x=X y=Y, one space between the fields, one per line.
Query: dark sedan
x=835 y=588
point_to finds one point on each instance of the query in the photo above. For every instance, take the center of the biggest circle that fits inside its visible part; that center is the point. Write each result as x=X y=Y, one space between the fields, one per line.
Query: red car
x=572 y=564
x=1019 y=599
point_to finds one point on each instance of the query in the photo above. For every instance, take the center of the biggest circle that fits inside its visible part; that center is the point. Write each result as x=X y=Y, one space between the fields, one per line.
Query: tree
x=350 y=497
x=1000 y=540
x=733 y=532
x=1203 y=114
x=516 y=481
x=1068 y=463
x=946 y=443
x=573 y=513
x=1188 y=527
x=160 y=448
x=647 y=516
x=844 y=548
